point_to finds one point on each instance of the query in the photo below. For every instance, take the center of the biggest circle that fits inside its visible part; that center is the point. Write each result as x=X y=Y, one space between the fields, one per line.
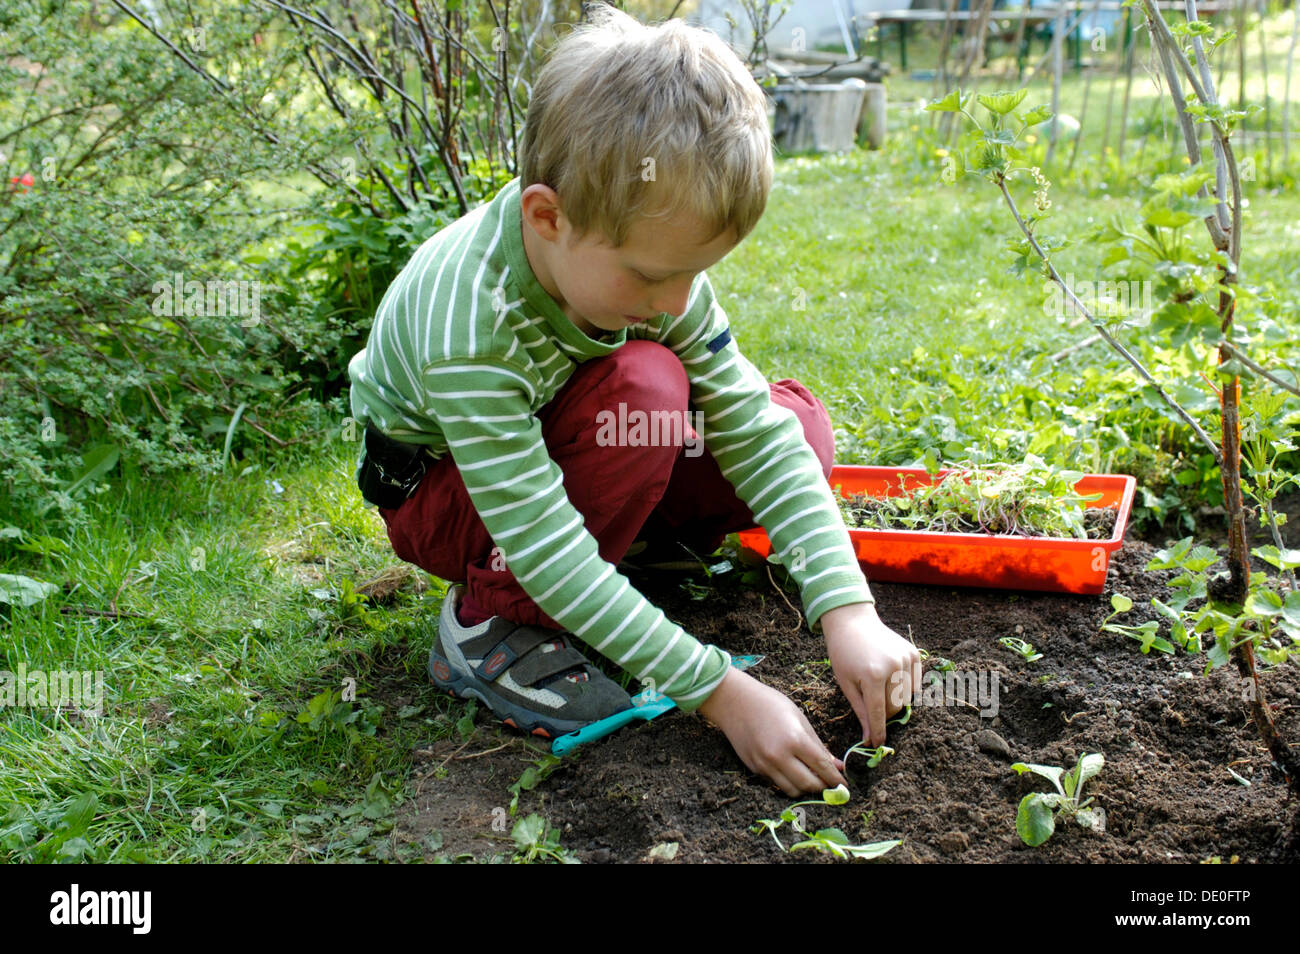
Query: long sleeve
x=484 y=409
x=760 y=449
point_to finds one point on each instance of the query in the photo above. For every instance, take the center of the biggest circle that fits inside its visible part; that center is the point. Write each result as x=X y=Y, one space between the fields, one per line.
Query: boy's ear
x=539 y=206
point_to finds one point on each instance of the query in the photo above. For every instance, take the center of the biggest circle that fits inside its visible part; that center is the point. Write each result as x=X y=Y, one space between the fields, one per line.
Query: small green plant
x=1144 y=634
x=1030 y=498
x=876 y=755
x=1020 y=646
x=328 y=712
x=833 y=841
x=1036 y=817
x=536 y=841
x=1270 y=616
x=531 y=777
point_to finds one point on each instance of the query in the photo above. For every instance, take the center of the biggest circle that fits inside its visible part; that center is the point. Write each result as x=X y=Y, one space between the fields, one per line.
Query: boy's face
x=602 y=288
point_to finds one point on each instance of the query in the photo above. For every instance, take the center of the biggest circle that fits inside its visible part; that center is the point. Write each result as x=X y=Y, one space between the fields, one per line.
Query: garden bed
x=1169 y=736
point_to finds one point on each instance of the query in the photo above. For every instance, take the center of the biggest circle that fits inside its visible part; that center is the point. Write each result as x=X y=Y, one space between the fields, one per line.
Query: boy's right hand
x=771 y=736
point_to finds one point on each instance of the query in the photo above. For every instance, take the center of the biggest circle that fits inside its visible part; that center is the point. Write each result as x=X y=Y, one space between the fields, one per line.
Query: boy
x=504 y=357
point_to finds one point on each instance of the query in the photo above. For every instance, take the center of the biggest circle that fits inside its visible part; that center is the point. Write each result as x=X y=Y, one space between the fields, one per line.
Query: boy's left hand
x=877 y=669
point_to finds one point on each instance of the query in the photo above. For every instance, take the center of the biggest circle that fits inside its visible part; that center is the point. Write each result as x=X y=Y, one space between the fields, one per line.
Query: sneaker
x=531 y=678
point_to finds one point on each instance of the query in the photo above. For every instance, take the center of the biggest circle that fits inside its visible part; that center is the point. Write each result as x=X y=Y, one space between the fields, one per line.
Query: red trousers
x=660 y=494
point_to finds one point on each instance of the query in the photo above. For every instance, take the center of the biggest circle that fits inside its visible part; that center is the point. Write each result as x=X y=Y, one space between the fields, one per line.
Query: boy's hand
x=877 y=669
x=771 y=736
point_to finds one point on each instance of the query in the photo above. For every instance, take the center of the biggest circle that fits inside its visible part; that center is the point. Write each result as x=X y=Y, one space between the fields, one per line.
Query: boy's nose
x=672 y=298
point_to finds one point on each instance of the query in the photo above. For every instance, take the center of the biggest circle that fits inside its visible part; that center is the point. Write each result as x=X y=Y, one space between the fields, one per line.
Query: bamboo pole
x=1130 y=62
x=1268 y=100
x=947 y=125
x=941 y=74
x=1243 y=23
x=1286 y=101
x=1083 y=110
x=1121 y=34
x=1058 y=64
x=1015 y=45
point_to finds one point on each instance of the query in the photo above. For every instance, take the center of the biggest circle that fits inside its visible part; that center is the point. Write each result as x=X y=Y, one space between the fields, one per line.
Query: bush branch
x=1101 y=329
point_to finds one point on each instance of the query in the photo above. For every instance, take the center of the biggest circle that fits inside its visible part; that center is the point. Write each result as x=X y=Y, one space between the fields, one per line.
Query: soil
x=1172 y=739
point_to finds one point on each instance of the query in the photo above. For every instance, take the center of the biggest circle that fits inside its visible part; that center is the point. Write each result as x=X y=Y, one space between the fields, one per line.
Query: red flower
x=26 y=180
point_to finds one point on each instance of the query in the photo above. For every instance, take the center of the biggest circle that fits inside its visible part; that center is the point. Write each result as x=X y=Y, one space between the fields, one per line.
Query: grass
x=210 y=746
x=226 y=735
x=916 y=336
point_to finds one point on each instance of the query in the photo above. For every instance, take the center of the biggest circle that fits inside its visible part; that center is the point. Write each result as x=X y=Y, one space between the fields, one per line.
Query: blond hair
x=631 y=120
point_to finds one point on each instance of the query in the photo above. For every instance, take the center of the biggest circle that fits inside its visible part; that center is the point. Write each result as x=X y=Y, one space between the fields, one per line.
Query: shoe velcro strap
x=542 y=665
x=519 y=640
x=499 y=654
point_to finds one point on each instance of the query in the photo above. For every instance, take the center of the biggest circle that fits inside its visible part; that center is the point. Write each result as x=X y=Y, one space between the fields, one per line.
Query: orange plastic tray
x=976 y=559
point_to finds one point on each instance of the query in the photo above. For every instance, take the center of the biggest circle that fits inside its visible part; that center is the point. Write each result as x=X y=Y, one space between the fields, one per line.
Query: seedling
x=944 y=665
x=1036 y=817
x=1031 y=498
x=1144 y=634
x=830 y=840
x=835 y=842
x=536 y=841
x=1017 y=645
x=874 y=756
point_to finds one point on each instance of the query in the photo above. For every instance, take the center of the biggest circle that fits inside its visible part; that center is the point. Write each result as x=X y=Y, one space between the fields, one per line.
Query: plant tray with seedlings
x=1005 y=526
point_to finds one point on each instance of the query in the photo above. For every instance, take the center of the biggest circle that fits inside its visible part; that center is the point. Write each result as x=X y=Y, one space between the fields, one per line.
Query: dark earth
x=1172 y=739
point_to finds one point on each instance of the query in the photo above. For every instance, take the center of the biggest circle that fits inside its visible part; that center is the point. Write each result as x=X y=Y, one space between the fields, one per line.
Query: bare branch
x=1259 y=369
x=1101 y=329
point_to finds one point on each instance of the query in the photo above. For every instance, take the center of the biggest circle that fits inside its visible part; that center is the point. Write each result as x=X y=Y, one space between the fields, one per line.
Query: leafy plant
x=1030 y=498
x=537 y=841
x=1144 y=634
x=1269 y=618
x=329 y=712
x=1038 y=811
x=56 y=834
x=533 y=776
x=833 y=841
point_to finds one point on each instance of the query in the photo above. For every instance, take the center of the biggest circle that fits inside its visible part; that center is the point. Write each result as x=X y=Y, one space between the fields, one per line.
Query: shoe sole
x=444 y=677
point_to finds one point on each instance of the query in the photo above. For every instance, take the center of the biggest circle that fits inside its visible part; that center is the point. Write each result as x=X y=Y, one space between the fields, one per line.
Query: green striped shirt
x=467 y=346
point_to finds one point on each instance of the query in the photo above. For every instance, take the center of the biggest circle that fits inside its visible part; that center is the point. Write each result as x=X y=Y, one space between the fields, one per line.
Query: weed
x=533 y=776
x=536 y=841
